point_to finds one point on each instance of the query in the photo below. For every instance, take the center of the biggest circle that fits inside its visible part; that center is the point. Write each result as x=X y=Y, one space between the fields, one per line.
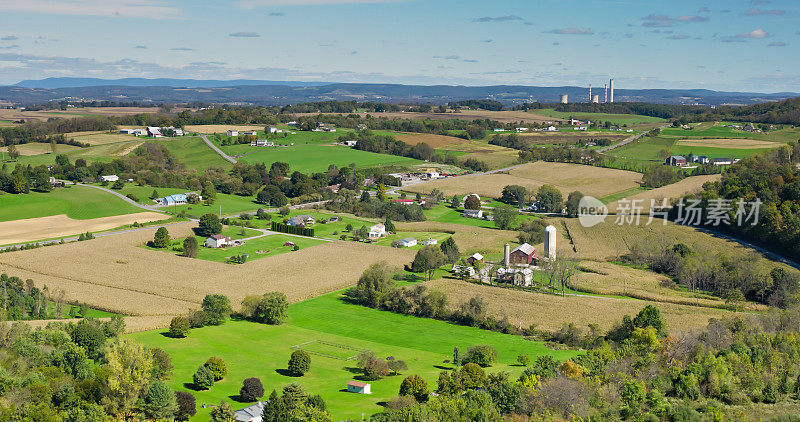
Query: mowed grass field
x=77 y=202
x=194 y=153
x=387 y=334
x=317 y=157
x=100 y=137
x=594 y=181
x=113 y=273
x=104 y=153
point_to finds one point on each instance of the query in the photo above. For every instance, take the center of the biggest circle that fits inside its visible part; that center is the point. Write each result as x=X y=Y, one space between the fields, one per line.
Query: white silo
x=564 y=98
x=550 y=242
x=507 y=256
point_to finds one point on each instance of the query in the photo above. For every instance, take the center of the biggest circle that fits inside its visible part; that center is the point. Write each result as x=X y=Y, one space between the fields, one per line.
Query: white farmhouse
x=271 y=129
x=473 y=213
x=217 y=241
x=377 y=231
x=232 y=132
x=109 y=178
x=430 y=242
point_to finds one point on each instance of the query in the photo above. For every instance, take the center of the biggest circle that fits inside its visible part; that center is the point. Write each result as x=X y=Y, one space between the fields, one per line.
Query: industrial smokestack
x=605 y=93
x=590 y=92
x=596 y=98
x=564 y=99
x=611 y=85
x=507 y=255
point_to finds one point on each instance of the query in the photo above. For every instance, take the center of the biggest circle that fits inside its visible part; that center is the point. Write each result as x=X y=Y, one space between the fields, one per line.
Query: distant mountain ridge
x=284 y=92
x=64 y=82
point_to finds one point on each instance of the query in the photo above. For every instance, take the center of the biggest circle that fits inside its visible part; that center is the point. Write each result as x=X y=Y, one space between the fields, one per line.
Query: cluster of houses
x=517 y=265
x=681 y=161
x=154 y=132
x=413 y=178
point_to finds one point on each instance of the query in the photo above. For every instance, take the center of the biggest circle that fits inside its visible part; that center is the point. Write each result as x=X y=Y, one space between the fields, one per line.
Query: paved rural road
x=628 y=140
x=219 y=151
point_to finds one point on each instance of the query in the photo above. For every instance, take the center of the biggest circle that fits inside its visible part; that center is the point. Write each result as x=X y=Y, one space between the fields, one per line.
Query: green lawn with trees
x=78 y=202
x=263 y=351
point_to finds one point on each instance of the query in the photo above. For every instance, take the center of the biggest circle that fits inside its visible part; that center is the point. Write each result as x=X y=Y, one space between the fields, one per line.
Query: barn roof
x=525 y=248
x=357 y=384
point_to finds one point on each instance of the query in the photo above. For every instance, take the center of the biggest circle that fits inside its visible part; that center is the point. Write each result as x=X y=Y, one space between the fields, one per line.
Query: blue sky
x=741 y=45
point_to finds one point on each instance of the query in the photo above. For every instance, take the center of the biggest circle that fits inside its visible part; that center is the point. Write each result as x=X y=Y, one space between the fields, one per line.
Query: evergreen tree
x=203 y=378
x=223 y=413
x=190 y=247
x=450 y=250
x=389 y=226
x=299 y=362
x=161 y=238
x=160 y=401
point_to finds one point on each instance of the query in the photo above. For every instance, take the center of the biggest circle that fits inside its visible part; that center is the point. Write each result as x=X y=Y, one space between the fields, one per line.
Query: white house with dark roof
x=232 y=132
x=217 y=241
x=301 y=221
x=473 y=213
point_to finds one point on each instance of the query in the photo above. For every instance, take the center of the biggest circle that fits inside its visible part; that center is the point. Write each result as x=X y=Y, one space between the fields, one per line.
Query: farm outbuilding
x=109 y=178
x=358 y=387
x=523 y=254
x=408 y=242
x=232 y=132
x=476 y=257
x=473 y=213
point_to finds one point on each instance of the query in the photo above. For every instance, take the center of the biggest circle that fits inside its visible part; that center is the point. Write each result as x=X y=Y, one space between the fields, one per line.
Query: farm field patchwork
x=617 y=119
x=76 y=202
x=384 y=333
x=100 y=137
x=103 y=153
x=113 y=273
x=595 y=181
x=37 y=148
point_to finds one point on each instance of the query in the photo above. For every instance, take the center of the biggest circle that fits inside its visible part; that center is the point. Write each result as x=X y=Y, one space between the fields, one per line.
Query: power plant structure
x=564 y=99
x=605 y=93
x=611 y=85
x=590 y=92
x=596 y=98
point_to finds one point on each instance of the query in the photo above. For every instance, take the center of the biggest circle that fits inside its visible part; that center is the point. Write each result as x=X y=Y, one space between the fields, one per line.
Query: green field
x=617 y=119
x=78 y=202
x=313 y=152
x=102 y=153
x=229 y=204
x=445 y=214
x=256 y=350
x=650 y=149
x=718 y=130
x=327 y=229
x=261 y=247
x=194 y=153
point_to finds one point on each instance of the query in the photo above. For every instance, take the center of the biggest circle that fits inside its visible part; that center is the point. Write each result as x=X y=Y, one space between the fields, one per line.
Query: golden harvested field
x=609 y=241
x=133 y=324
x=594 y=181
x=99 y=138
x=220 y=128
x=54 y=226
x=550 y=312
x=606 y=278
x=468 y=238
x=37 y=148
x=435 y=141
x=675 y=190
x=113 y=273
x=728 y=143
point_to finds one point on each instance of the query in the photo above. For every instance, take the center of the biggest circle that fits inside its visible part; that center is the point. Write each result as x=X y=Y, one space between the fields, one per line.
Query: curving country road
x=119 y=195
x=629 y=140
x=217 y=150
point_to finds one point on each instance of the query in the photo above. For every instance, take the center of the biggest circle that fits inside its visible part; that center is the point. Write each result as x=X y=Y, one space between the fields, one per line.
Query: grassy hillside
x=76 y=202
x=618 y=119
x=256 y=350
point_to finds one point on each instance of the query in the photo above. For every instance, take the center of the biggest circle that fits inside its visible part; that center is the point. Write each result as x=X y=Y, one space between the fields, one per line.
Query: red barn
x=523 y=254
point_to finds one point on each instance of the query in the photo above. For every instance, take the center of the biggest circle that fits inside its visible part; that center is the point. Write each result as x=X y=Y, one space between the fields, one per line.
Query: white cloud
x=153 y=9
x=756 y=34
x=252 y=4
x=571 y=31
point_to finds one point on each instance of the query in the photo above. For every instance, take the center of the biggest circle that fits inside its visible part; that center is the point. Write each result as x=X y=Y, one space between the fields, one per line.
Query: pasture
x=194 y=153
x=435 y=141
x=224 y=204
x=221 y=128
x=385 y=333
x=595 y=181
x=103 y=153
x=37 y=148
x=317 y=157
x=76 y=202
x=658 y=148
x=570 y=138
x=113 y=273
x=99 y=137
